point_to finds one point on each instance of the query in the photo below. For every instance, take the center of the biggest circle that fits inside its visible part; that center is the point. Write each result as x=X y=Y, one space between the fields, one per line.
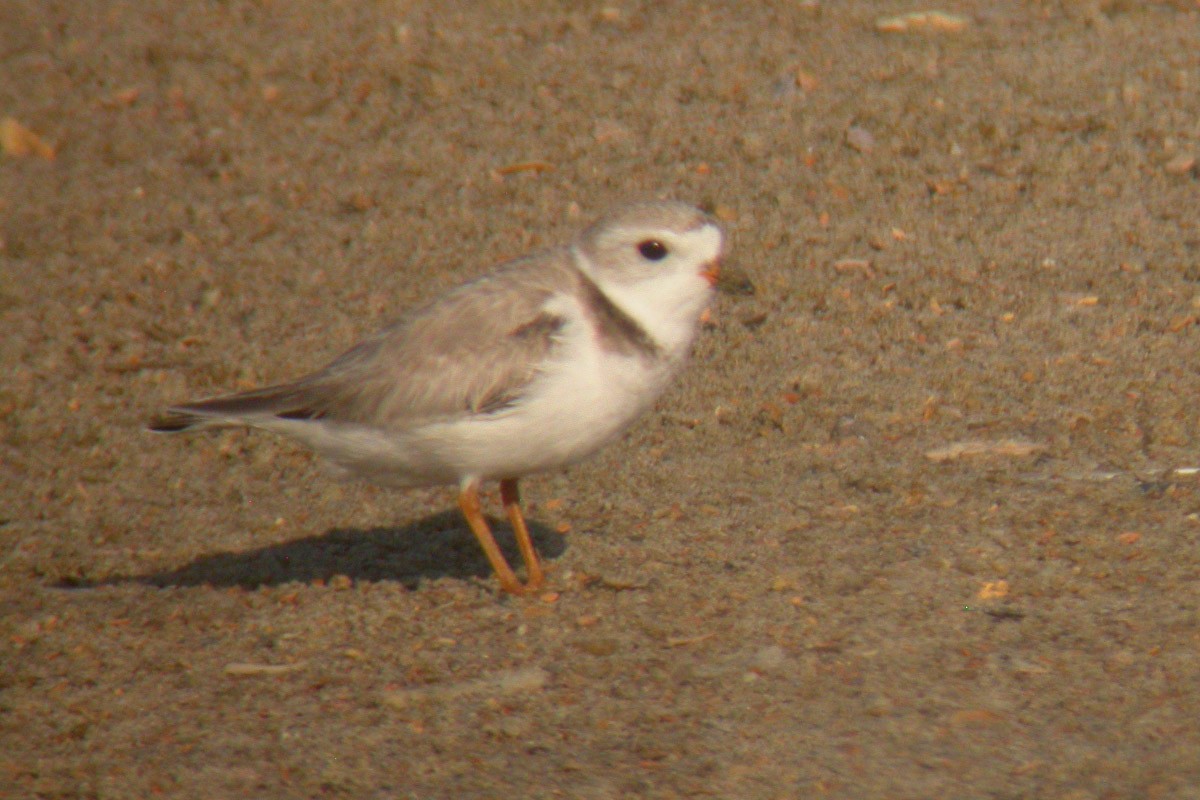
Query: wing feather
x=473 y=351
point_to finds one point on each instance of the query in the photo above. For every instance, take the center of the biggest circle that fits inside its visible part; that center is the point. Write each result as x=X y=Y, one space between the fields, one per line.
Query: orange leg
x=468 y=503
x=512 y=506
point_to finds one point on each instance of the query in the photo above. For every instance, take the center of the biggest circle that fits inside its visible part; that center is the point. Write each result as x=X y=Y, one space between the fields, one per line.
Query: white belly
x=582 y=400
x=567 y=416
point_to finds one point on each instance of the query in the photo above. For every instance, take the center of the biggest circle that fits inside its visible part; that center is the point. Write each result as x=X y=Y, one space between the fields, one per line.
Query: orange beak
x=711 y=272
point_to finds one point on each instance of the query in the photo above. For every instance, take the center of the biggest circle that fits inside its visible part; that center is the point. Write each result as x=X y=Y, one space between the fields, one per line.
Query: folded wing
x=473 y=351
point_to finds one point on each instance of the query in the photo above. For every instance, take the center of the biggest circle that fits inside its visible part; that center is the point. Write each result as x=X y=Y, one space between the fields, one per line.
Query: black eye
x=652 y=250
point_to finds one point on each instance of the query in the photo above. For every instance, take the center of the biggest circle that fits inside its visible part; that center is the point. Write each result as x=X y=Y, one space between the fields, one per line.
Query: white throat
x=667 y=306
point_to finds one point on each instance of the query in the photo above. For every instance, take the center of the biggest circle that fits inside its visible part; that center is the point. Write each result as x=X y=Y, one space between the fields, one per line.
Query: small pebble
x=1181 y=164
x=508 y=682
x=770 y=657
x=597 y=646
x=247 y=670
x=922 y=20
x=860 y=139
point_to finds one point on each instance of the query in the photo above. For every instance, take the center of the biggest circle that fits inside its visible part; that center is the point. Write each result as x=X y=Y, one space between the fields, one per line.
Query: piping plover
x=530 y=367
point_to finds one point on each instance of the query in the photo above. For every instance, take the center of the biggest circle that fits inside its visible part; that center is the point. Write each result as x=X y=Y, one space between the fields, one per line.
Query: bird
x=533 y=366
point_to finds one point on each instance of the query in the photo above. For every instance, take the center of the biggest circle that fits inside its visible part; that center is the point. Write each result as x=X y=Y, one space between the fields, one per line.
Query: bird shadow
x=437 y=546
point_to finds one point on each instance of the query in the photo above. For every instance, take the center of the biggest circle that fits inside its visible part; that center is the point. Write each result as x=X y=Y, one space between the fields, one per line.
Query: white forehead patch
x=706 y=240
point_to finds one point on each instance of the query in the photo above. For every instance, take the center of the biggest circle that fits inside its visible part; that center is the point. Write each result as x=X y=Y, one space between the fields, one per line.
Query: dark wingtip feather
x=286 y=401
x=172 y=422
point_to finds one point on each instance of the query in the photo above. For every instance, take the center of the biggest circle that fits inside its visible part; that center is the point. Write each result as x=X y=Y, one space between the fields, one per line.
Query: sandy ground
x=920 y=520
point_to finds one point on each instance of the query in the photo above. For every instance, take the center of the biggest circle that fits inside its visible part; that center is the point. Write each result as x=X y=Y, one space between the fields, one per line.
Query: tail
x=288 y=401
